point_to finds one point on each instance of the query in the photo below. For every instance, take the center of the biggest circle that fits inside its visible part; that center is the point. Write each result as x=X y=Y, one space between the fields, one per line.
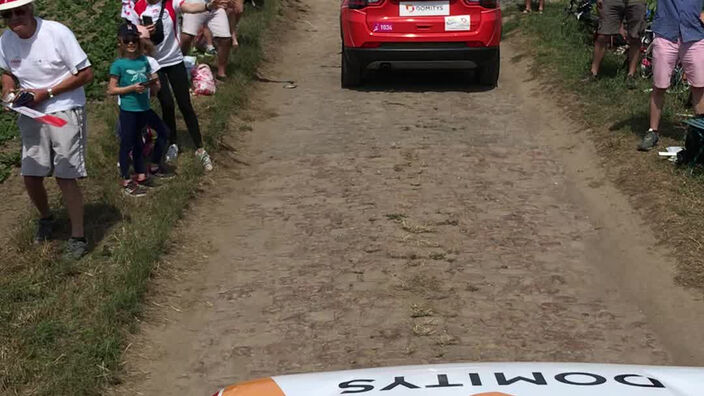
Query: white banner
x=500 y=379
x=424 y=8
x=457 y=23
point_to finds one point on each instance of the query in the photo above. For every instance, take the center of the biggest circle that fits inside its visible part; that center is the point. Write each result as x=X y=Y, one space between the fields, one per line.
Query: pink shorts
x=666 y=54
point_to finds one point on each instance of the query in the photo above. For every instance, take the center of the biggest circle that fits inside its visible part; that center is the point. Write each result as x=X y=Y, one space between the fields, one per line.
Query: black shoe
x=133 y=189
x=649 y=141
x=589 y=77
x=164 y=173
x=44 y=229
x=149 y=182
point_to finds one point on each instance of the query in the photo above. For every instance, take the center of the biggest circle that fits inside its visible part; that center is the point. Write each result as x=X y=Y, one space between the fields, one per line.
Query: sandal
x=527 y=11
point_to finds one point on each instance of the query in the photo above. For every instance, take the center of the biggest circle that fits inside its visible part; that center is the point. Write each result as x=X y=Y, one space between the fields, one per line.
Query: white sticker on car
x=457 y=23
x=424 y=8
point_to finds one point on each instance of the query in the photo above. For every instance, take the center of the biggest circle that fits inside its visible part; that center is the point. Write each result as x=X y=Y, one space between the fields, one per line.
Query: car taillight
x=359 y=4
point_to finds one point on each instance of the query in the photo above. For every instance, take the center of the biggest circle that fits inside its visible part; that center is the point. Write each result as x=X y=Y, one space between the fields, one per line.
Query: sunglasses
x=18 y=12
x=130 y=40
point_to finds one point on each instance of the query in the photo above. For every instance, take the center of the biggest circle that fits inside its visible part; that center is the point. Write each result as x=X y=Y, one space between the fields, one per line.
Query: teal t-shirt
x=129 y=72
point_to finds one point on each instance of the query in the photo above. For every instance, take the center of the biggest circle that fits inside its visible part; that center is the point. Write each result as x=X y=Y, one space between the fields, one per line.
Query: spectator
x=157 y=167
x=131 y=76
x=58 y=90
x=154 y=148
x=679 y=37
x=173 y=73
x=218 y=24
x=612 y=13
x=528 y=9
x=205 y=42
x=234 y=13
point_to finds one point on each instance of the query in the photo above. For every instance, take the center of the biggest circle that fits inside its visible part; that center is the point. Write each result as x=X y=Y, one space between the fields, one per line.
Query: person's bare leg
x=233 y=18
x=541 y=5
x=599 y=52
x=657 y=101
x=633 y=56
x=37 y=193
x=73 y=200
x=186 y=42
x=208 y=37
x=528 y=5
x=698 y=100
x=224 y=45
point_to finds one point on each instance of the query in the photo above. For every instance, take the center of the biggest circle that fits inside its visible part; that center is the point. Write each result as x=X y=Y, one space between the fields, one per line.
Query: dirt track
x=414 y=221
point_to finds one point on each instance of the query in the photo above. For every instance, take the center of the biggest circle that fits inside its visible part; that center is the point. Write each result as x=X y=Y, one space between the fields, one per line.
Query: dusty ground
x=413 y=221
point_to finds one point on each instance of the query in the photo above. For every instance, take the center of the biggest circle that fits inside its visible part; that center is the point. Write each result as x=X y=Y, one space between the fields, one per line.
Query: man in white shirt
x=47 y=61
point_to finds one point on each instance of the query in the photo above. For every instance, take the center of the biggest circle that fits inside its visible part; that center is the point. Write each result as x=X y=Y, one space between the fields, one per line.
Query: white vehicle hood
x=485 y=379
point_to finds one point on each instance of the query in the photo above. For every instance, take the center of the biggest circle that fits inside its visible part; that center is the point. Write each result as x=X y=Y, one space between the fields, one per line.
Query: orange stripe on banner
x=491 y=394
x=261 y=387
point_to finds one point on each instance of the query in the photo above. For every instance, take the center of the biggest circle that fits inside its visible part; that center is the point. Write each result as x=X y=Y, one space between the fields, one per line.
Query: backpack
x=693 y=152
x=203 y=80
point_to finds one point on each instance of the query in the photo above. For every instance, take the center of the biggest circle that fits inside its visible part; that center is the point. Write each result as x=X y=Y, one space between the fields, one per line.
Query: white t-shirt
x=44 y=60
x=154 y=66
x=168 y=53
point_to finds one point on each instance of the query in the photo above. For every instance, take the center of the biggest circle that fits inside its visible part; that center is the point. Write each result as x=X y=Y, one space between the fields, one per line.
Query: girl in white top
x=173 y=73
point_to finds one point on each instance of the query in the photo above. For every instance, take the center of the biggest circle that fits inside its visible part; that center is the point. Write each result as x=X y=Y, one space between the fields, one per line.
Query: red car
x=420 y=34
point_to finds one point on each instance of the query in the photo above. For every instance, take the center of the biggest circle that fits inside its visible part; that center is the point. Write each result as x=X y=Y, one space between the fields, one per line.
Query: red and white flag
x=38 y=115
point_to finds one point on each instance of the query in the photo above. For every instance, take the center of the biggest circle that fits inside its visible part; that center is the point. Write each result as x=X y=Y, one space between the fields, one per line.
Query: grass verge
x=670 y=198
x=63 y=324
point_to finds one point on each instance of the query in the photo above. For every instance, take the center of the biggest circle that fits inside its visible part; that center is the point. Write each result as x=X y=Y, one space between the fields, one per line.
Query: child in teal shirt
x=131 y=78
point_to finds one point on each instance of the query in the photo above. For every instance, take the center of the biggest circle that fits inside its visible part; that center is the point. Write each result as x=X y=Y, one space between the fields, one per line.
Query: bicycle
x=584 y=12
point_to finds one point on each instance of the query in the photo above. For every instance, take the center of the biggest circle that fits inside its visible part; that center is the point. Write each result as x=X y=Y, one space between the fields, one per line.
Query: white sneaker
x=171 y=154
x=204 y=159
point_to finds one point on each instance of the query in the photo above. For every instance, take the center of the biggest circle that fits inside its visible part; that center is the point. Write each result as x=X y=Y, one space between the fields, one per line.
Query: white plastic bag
x=190 y=62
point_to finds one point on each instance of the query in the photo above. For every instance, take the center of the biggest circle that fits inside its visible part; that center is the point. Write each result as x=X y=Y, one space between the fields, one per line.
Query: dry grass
x=415 y=228
x=421 y=311
x=424 y=328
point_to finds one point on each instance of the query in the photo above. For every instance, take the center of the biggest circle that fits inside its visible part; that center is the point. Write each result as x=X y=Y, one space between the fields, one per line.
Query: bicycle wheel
x=678 y=83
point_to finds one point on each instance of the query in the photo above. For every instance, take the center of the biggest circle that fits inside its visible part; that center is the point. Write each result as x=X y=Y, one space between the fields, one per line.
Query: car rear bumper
x=421 y=57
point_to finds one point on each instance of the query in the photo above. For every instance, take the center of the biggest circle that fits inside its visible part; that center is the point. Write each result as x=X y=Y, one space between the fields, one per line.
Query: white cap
x=9 y=4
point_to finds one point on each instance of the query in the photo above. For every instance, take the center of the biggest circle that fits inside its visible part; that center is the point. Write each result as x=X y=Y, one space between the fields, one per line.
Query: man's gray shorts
x=631 y=12
x=48 y=150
